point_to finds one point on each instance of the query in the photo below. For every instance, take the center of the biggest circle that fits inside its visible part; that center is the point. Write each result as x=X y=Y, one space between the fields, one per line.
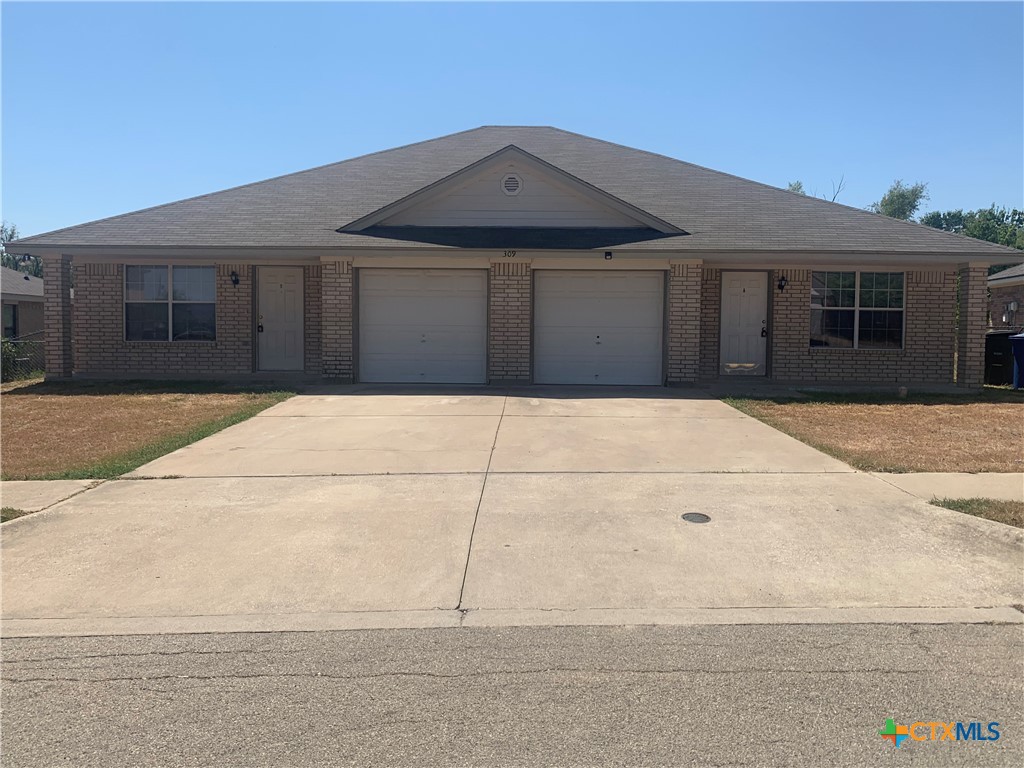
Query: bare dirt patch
x=52 y=429
x=980 y=433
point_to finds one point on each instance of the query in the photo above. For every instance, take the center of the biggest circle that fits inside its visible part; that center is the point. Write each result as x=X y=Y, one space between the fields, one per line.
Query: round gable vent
x=511 y=184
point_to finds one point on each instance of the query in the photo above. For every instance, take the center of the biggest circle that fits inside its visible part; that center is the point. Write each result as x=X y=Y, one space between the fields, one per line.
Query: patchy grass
x=970 y=432
x=1008 y=512
x=9 y=513
x=77 y=430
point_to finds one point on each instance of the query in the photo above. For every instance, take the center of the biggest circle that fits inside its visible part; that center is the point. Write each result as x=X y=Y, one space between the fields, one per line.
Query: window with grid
x=858 y=310
x=164 y=303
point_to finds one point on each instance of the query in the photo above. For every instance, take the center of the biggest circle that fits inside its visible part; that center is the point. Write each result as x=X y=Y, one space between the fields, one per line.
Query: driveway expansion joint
x=479 y=503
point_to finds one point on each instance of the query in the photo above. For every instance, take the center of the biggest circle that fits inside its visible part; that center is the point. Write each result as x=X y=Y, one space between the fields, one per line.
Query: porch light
x=783 y=282
x=607 y=255
x=234 y=278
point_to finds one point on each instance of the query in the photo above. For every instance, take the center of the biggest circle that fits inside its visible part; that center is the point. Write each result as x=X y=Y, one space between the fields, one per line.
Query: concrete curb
x=450 y=619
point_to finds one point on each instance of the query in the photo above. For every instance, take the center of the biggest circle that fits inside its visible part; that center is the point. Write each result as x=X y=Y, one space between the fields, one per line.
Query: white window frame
x=856 y=309
x=170 y=301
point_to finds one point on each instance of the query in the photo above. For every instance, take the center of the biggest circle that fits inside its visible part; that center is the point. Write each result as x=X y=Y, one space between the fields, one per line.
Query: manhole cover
x=696 y=517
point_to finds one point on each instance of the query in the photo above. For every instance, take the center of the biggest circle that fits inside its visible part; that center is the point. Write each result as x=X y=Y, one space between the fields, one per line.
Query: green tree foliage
x=996 y=225
x=796 y=186
x=901 y=201
x=32 y=265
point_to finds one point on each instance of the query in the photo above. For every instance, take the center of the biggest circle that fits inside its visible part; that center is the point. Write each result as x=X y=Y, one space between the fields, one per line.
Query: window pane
x=881 y=290
x=145 y=283
x=194 y=322
x=817 y=289
x=880 y=330
x=194 y=284
x=838 y=288
x=832 y=327
x=10 y=320
x=145 y=322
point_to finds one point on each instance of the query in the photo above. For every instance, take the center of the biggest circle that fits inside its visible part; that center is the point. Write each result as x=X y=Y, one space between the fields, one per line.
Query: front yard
x=100 y=430
x=978 y=432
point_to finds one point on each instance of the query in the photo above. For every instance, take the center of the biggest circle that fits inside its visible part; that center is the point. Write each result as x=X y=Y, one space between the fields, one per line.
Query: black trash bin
x=1018 y=360
x=998 y=357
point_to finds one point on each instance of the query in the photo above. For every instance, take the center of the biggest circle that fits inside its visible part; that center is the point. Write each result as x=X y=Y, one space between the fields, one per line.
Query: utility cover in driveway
x=425 y=325
x=598 y=327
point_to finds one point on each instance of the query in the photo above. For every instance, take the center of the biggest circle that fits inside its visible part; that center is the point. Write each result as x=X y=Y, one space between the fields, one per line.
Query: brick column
x=509 y=309
x=710 y=321
x=57 y=316
x=683 y=322
x=336 y=302
x=970 y=331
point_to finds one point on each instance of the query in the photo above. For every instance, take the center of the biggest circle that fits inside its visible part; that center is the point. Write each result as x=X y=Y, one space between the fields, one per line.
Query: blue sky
x=111 y=108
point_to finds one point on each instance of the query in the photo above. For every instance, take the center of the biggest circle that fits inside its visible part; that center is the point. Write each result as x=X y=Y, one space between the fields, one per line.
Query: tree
x=995 y=225
x=901 y=201
x=798 y=188
x=32 y=264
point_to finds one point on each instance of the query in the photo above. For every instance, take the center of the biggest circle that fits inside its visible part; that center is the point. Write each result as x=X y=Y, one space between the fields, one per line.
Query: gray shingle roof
x=15 y=284
x=721 y=212
x=1008 y=274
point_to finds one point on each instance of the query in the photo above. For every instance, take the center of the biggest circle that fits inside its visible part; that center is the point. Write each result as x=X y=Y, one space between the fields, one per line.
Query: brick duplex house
x=1006 y=299
x=514 y=254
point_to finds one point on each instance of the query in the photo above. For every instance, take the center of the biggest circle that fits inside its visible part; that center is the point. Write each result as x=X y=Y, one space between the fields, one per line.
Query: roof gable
x=512 y=188
x=721 y=213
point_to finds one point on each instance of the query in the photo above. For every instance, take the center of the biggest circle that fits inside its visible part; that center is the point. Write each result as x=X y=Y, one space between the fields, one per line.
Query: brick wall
x=927 y=355
x=999 y=297
x=57 y=316
x=710 y=321
x=98 y=324
x=684 y=322
x=970 y=337
x=336 y=307
x=510 y=299
x=311 y=294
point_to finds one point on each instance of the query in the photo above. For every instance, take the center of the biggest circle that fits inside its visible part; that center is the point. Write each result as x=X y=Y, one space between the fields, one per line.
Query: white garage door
x=598 y=327
x=426 y=325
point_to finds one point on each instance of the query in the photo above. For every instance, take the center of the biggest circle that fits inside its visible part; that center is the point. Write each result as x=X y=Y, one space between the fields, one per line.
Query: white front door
x=598 y=327
x=425 y=325
x=279 y=319
x=744 y=330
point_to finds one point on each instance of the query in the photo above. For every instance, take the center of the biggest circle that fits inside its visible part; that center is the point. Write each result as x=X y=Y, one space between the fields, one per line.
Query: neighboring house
x=22 y=298
x=1006 y=298
x=523 y=254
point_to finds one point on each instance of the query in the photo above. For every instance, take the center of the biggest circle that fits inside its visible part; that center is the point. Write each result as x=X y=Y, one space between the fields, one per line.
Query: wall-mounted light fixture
x=607 y=255
x=783 y=282
x=234 y=278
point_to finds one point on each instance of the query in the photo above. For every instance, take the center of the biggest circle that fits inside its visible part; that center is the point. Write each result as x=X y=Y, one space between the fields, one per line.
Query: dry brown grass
x=983 y=433
x=53 y=428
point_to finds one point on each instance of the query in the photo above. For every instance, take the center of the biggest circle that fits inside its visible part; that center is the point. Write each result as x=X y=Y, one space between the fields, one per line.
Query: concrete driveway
x=375 y=508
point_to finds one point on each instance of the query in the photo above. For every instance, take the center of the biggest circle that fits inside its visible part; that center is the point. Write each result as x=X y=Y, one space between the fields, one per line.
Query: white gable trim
x=526 y=161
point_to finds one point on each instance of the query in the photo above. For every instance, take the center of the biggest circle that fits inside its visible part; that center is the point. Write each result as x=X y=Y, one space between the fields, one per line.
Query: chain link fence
x=22 y=358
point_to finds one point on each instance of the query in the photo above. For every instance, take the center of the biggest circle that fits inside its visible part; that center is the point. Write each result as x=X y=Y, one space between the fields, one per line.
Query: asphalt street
x=799 y=695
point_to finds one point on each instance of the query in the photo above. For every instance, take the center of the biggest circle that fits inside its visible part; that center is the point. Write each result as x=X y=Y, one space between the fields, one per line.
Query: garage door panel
x=425 y=325
x=598 y=328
